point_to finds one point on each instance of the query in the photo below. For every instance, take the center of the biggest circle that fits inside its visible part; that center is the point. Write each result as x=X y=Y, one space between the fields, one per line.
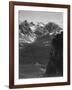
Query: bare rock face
x=55 y=65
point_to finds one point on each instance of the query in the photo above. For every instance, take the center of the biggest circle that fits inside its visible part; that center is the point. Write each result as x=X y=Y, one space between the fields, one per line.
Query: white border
x=18 y=81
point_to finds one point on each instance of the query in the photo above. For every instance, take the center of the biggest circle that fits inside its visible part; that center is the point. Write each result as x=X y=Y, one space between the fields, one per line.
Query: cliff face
x=55 y=64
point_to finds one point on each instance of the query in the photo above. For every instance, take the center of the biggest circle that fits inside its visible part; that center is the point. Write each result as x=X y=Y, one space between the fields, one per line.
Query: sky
x=41 y=16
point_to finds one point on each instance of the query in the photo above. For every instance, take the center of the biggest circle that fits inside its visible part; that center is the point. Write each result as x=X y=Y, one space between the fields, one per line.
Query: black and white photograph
x=39 y=44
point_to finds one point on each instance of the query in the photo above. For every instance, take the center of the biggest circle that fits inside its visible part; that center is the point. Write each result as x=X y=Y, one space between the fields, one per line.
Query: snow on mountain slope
x=40 y=33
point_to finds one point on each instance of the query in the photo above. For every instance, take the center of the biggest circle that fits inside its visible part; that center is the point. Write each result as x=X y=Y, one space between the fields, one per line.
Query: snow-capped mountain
x=30 y=33
x=40 y=24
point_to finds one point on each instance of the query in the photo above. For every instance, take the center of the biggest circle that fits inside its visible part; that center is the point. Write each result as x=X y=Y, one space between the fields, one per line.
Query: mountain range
x=40 y=33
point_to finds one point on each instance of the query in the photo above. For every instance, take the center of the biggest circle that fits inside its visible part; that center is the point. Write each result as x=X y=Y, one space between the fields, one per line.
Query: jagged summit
x=41 y=24
x=34 y=33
